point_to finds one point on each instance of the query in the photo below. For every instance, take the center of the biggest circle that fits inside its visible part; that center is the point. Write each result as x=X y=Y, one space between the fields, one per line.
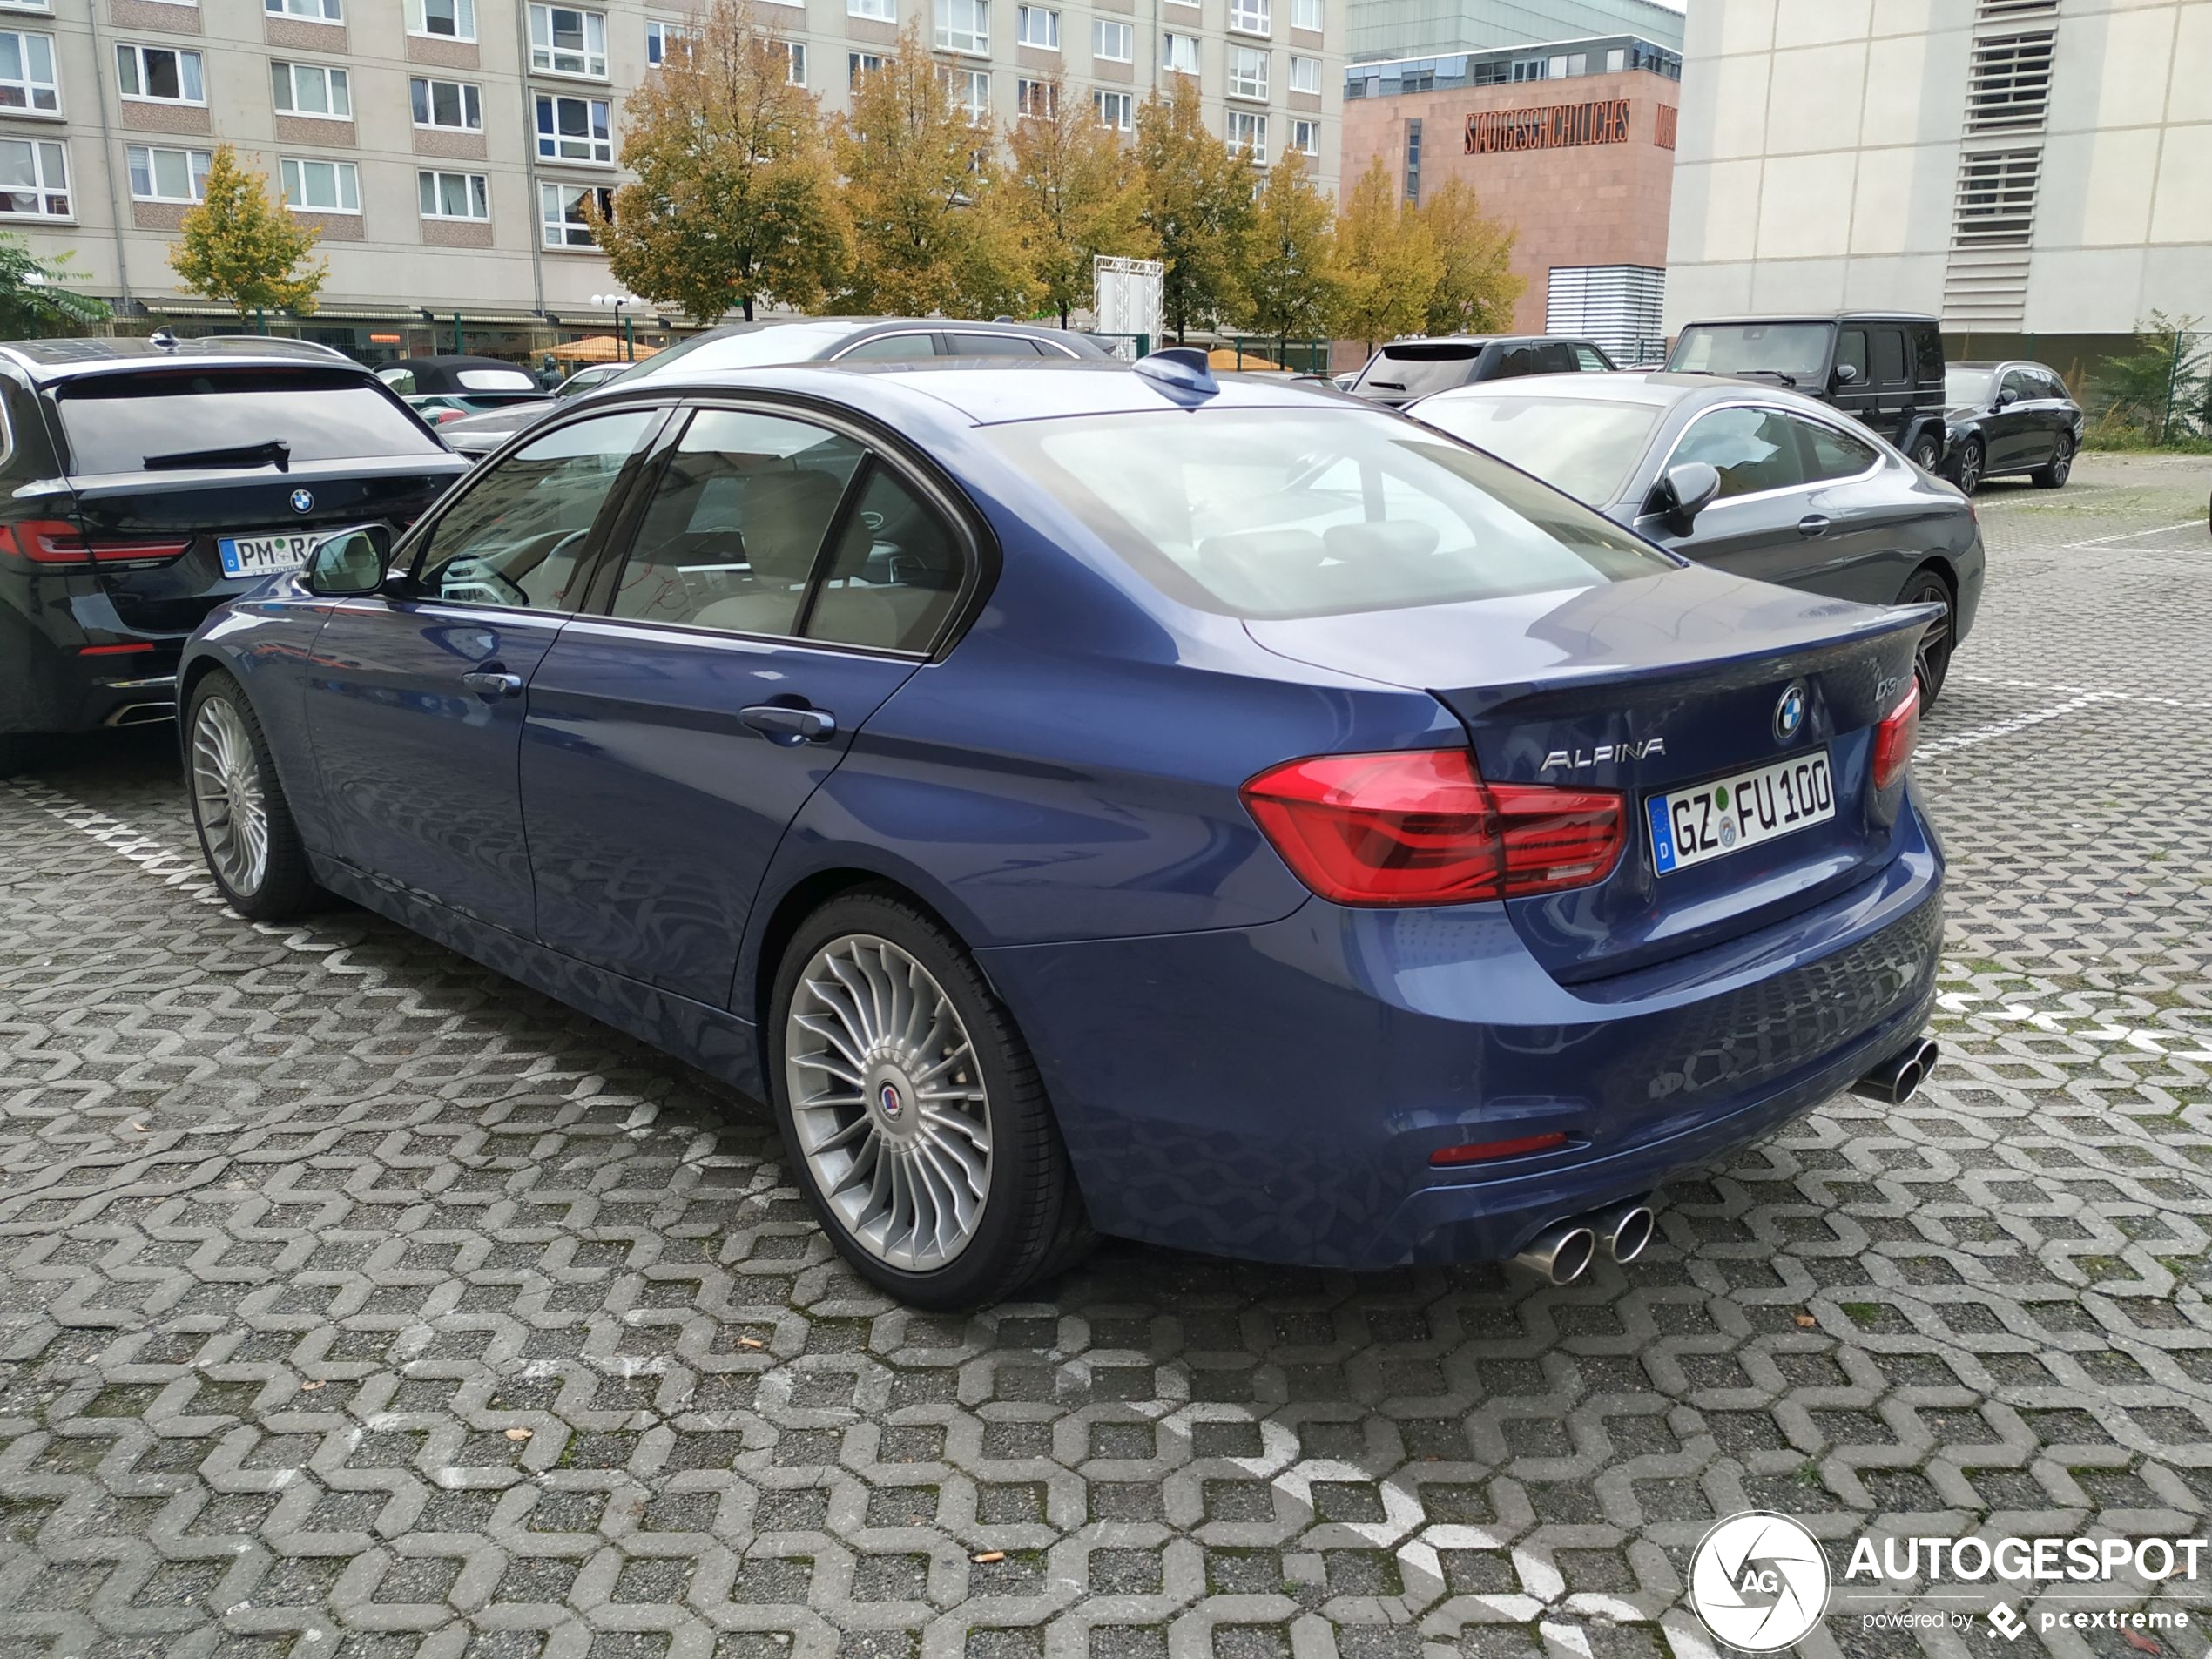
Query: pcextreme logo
x=1759 y=1581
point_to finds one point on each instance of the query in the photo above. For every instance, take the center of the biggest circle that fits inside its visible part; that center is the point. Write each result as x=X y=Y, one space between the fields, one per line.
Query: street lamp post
x=621 y=302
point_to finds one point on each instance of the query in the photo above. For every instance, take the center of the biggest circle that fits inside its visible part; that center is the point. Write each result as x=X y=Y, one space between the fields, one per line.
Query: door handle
x=1812 y=525
x=493 y=681
x=781 y=723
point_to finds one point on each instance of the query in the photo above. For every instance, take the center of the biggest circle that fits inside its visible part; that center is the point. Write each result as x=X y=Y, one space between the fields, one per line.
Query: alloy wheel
x=892 y=1115
x=1925 y=456
x=1932 y=660
x=2061 y=461
x=230 y=796
x=1970 y=469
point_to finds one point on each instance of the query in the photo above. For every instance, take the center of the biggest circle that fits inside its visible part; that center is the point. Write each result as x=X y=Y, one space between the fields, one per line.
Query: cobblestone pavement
x=353 y=1300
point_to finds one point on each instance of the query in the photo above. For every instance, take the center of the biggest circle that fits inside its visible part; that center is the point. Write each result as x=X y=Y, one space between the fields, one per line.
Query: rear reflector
x=1419 y=826
x=53 y=540
x=1896 y=738
x=115 y=651
x=1448 y=1157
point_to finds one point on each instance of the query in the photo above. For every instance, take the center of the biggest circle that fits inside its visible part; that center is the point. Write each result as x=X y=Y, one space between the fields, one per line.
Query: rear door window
x=117 y=423
x=891 y=348
x=994 y=346
x=896 y=573
x=1753 y=450
x=1829 y=455
x=1889 y=356
x=1927 y=354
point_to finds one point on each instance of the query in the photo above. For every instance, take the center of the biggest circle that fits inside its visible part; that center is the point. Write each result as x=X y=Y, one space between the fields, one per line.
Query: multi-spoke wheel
x=2053 y=474
x=913 y=1112
x=245 y=829
x=1970 y=462
x=1927 y=452
x=1933 y=661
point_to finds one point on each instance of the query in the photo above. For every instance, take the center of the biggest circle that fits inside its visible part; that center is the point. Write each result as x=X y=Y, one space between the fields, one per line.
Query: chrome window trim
x=1882 y=453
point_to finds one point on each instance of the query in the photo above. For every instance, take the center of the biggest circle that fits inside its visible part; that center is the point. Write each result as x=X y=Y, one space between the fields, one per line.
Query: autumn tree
x=1475 y=286
x=1386 y=260
x=1289 y=265
x=33 y=302
x=1075 y=192
x=934 y=226
x=242 y=250
x=1197 y=203
x=735 y=201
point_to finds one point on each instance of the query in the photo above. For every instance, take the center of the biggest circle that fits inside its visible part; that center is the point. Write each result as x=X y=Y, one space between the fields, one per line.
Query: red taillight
x=1895 y=739
x=445 y=415
x=115 y=651
x=53 y=540
x=1420 y=827
x=1446 y=1157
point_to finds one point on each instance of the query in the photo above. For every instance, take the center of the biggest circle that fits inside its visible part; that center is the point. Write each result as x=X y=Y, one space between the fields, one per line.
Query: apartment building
x=447 y=148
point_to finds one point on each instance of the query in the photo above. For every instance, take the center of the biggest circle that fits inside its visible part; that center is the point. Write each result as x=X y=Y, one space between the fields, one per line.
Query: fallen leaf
x=751 y=1342
x=310 y=1387
x=1806 y=1322
x=518 y=1435
x=141 y=1128
x=2139 y=1642
x=988 y=1555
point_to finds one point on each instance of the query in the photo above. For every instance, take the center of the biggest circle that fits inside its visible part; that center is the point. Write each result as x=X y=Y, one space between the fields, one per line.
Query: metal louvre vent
x=2015 y=11
x=1995 y=206
x=2008 y=89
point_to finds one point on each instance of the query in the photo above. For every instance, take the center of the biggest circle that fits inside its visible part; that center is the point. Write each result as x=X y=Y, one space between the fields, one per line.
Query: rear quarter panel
x=266 y=641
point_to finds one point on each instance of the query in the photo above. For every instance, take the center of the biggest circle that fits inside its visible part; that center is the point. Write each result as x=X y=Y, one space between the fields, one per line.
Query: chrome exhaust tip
x=142 y=714
x=1627 y=1231
x=1562 y=1253
x=1897 y=1079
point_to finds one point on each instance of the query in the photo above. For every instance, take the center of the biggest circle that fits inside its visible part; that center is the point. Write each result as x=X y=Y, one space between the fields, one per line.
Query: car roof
x=1660 y=389
x=1811 y=316
x=51 y=359
x=1482 y=340
x=892 y=326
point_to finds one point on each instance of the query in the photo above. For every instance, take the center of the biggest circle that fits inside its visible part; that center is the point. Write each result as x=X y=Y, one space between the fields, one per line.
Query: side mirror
x=349 y=563
x=1846 y=375
x=1685 y=491
x=2006 y=398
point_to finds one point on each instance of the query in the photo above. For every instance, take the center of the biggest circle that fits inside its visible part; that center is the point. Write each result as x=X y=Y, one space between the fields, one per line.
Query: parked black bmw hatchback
x=1883 y=368
x=145 y=481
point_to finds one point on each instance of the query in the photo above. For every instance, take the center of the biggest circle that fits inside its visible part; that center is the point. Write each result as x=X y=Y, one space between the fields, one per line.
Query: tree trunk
x=748 y=307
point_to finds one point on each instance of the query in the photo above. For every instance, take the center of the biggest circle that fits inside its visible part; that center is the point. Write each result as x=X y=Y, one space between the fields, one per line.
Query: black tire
x=1927 y=451
x=2054 y=475
x=1970 y=466
x=1931 y=662
x=1032 y=1222
x=284 y=888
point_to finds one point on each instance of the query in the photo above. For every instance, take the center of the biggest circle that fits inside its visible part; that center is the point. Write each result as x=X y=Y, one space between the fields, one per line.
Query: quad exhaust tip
x=1899 y=1078
x=1626 y=1231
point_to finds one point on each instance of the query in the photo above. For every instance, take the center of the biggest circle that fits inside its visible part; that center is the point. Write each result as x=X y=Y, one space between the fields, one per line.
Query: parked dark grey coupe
x=2010 y=417
x=1758 y=480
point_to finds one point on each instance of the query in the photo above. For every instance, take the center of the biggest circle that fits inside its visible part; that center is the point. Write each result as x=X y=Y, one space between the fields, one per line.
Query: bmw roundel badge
x=1790 y=712
x=303 y=501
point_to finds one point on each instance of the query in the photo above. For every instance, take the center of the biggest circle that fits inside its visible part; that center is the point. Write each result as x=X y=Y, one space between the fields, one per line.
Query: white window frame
x=1248 y=72
x=587 y=61
x=550 y=195
x=1253 y=137
x=469 y=92
x=1169 y=41
x=1035 y=99
x=860 y=64
x=1101 y=28
x=1251 y=17
x=136 y=56
x=963 y=26
x=659 y=33
x=1305 y=75
x=1310 y=15
x=294 y=171
x=971 y=89
x=44 y=8
x=1305 y=135
x=45 y=152
x=1031 y=22
x=197 y=163
x=597 y=153
x=795 y=71
x=878 y=10
x=306 y=10
x=464 y=21
x=27 y=85
x=1124 y=105
x=475 y=189
x=337 y=90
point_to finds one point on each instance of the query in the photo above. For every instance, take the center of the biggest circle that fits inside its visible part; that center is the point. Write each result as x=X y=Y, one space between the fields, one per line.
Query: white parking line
x=2018 y=723
x=2131 y=536
x=2099 y=1029
x=2078 y=691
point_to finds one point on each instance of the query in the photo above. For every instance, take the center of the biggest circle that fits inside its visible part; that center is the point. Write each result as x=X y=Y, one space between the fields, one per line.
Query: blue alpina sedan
x=1094 y=798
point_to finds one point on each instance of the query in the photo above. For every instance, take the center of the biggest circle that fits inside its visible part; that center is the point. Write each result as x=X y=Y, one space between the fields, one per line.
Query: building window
x=575 y=129
x=454 y=195
x=971 y=91
x=564 y=41
x=1413 y=159
x=795 y=69
x=860 y=64
x=1038 y=99
x=1305 y=75
x=1180 y=53
x=1113 y=42
x=562 y=216
x=312 y=88
x=964 y=26
x=37 y=5
x=1252 y=17
x=1248 y=132
x=1617 y=60
x=1116 y=110
x=1247 y=72
x=27 y=80
x=159 y=75
x=1305 y=136
x=160 y=175
x=1306 y=14
x=310 y=11
x=447 y=103
x=880 y=10
x=1036 y=26
x=443 y=19
x=659 y=36
x=33 y=179
x=321 y=186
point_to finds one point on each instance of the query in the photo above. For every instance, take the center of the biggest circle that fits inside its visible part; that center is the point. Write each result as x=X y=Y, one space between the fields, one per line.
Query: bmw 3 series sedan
x=1751 y=479
x=1093 y=798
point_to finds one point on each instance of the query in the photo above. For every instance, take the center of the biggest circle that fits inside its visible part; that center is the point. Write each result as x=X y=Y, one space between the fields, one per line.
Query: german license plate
x=262 y=555
x=1710 y=821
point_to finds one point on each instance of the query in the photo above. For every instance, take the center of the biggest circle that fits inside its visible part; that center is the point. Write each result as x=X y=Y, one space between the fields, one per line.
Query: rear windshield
x=1797 y=349
x=1586 y=448
x=1417 y=368
x=1278 y=513
x=115 y=421
x=497 y=380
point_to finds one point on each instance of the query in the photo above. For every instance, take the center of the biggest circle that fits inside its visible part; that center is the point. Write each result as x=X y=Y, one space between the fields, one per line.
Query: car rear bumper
x=1276 y=1092
x=84 y=680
